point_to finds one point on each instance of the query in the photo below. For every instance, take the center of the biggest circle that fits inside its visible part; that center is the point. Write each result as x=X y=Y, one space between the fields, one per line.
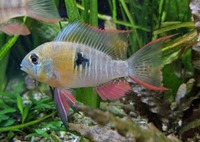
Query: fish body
x=72 y=65
x=79 y=59
x=83 y=56
x=44 y=10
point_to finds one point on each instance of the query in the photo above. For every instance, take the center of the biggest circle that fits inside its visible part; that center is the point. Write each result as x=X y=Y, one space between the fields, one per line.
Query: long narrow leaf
x=72 y=10
x=20 y=104
x=7 y=46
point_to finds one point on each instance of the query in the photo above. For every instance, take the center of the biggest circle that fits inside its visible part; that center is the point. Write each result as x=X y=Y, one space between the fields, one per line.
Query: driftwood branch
x=130 y=130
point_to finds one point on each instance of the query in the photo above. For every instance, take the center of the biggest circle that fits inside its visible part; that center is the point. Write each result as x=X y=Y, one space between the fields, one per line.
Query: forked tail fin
x=44 y=10
x=145 y=65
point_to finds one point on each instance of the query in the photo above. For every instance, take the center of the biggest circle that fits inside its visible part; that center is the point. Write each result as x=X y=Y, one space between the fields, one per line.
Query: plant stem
x=173 y=27
x=114 y=10
x=85 y=8
x=106 y=17
x=93 y=13
x=7 y=46
x=16 y=127
x=128 y=14
x=72 y=10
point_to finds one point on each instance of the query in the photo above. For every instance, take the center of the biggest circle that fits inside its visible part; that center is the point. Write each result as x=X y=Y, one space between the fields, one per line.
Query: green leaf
x=3 y=77
x=93 y=13
x=10 y=135
x=20 y=104
x=42 y=133
x=8 y=122
x=44 y=103
x=54 y=125
x=3 y=117
x=72 y=10
x=54 y=138
x=7 y=110
x=174 y=27
x=7 y=46
x=31 y=135
x=34 y=122
x=25 y=112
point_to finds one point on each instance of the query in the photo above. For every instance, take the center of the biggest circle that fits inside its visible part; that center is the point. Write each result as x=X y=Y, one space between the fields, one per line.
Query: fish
x=44 y=10
x=85 y=56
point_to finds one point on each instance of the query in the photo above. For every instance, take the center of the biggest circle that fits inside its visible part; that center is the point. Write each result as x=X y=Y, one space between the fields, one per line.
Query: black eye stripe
x=34 y=58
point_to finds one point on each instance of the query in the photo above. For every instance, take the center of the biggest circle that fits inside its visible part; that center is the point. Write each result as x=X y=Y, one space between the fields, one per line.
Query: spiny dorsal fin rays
x=111 y=42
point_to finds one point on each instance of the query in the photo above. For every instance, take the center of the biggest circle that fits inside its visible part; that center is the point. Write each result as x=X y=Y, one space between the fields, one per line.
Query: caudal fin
x=145 y=65
x=44 y=10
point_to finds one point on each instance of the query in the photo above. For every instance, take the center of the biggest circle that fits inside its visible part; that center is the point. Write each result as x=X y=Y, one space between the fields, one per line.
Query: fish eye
x=34 y=58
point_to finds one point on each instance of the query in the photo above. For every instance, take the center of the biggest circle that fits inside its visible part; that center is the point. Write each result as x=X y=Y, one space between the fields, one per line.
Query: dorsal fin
x=111 y=42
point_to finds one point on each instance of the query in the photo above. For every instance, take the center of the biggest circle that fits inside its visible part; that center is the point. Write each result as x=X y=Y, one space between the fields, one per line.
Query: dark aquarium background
x=27 y=110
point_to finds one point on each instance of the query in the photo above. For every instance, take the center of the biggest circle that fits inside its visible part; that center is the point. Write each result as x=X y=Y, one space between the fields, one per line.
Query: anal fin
x=113 y=90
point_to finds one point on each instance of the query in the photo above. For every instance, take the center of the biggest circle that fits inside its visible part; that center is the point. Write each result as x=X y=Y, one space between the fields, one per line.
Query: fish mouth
x=23 y=68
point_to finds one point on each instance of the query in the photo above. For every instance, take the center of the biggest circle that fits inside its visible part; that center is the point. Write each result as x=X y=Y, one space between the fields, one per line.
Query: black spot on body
x=81 y=60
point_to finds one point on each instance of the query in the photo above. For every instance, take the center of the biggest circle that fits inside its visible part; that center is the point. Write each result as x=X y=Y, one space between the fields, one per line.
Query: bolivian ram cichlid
x=44 y=10
x=83 y=56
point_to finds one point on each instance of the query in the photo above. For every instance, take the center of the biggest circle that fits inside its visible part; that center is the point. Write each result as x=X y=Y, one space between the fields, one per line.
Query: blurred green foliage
x=146 y=18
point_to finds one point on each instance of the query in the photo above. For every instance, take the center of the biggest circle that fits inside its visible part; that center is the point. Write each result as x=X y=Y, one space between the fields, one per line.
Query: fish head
x=38 y=64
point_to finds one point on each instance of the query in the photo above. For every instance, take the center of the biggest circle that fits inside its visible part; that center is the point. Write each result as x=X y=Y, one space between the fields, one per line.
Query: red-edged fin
x=14 y=28
x=70 y=99
x=44 y=10
x=61 y=105
x=113 y=90
x=145 y=65
x=159 y=40
x=149 y=85
x=111 y=42
x=63 y=100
